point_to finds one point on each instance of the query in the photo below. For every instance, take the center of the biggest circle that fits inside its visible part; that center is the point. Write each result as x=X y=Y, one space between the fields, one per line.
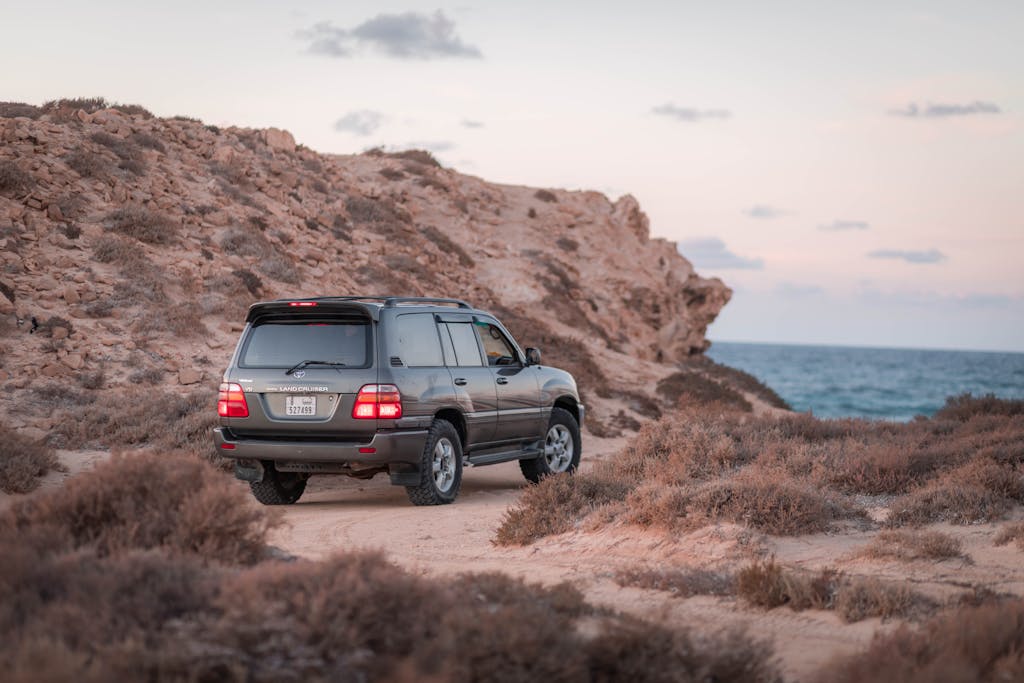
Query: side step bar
x=504 y=456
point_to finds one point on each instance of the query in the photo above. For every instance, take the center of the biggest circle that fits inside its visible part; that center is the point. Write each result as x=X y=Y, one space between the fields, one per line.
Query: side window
x=446 y=345
x=416 y=341
x=467 y=353
x=496 y=347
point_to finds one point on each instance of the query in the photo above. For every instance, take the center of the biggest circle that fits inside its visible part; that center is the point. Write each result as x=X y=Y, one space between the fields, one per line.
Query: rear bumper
x=386 y=448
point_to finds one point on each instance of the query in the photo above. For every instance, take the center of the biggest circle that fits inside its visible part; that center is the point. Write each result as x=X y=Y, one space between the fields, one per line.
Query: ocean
x=891 y=384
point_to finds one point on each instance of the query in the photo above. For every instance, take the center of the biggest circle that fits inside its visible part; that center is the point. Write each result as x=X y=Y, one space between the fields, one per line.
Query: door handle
x=503 y=380
x=460 y=381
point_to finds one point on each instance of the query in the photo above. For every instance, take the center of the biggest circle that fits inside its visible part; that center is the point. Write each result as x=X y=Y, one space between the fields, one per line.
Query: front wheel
x=562 y=448
x=440 y=467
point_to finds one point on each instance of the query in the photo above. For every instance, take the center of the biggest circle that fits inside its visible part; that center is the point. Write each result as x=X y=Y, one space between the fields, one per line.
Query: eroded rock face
x=146 y=239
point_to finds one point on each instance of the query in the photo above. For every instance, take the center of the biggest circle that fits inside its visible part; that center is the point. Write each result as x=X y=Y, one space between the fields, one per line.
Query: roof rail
x=395 y=300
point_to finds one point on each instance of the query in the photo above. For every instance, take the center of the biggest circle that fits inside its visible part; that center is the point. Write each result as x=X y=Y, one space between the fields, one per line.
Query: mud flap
x=404 y=474
x=249 y=470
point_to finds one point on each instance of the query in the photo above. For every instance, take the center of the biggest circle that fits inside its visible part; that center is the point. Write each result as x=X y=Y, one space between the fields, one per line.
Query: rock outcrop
x=137 y=242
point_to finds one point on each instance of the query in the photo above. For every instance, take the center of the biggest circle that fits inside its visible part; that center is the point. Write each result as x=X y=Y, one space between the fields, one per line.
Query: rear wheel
x=278 y=488
x=562 y=448
x=440 y=467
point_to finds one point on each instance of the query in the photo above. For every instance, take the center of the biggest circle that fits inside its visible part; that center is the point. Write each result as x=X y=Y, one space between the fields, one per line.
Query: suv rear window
x=282 y=345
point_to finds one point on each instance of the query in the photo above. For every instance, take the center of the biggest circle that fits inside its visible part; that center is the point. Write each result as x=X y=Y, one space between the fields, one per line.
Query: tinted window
x=416 y=340
x=467 y=353
x=282 y=345
x=496 y=347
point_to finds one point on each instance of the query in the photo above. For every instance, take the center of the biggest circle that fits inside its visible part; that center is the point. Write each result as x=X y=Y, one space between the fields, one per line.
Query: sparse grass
x=14 y=179
x=23 y=461
x=1013 y=532
x=981 y=643
x=143 y=224
x=681 y=583
x=913 y=545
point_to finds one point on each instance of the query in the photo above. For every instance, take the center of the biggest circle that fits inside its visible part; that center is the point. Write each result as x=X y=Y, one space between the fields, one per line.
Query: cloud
x=689 y=114
x=909 y=255
x=711 y=252
x=467 y=123
x=360 y=122
x=796 y=290
x=766 y=212
x=941 y=111
x=410 y=35
x=840 y=225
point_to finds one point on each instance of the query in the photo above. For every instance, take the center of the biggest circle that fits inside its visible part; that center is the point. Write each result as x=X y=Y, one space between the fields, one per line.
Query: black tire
x=439 y=486
x=278 y=488
x=555 y=459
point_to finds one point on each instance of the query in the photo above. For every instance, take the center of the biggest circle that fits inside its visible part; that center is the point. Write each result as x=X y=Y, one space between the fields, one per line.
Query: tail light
x=231 y=401
x=378 y=401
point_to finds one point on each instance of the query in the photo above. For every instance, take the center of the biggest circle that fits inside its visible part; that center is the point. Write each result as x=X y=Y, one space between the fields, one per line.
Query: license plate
x=300 y=406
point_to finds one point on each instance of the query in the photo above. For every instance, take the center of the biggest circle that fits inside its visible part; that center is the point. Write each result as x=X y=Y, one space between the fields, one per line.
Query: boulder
x=279 y=139
x=189 y=376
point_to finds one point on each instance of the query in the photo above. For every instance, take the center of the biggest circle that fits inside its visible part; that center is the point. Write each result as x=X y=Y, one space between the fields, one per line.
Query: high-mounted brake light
x=378 y=401
x=231 y=401
x=302 y=304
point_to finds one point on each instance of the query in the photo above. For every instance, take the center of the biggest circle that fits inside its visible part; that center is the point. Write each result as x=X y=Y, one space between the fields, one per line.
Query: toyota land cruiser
x=414 y=387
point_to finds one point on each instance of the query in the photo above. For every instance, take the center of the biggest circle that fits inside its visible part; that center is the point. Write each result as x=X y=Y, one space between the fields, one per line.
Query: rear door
x=474 y=387
x=519 y=409
x=314 y=401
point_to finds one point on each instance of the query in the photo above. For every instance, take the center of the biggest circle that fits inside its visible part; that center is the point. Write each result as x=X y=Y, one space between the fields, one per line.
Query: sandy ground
x=339 y=514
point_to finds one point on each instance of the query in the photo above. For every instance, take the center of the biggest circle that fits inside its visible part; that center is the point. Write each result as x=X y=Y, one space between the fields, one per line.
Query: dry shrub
x=965 y=406
x=380 y=214
x=13 y=179
x=767 y=585
x=392 y=173
x=88 y=164
x=682 y=583
x=143 y=224
x=555 y=505
x=183 y=320
x=280 y=268
x=981 y=490
x=117 y=250
x=447 y=246
x=430 y=181
x=738 y=378
x=567 y=244
x=679 y=451
x=690 y=389
x=141 y=415
x=1010 y=533
x=13 y=110
x=545 y=196
x=419 y=156
x=969 y=644
x=66 y=106
x=865 y=598
x=161 y=500
x=127 y=152
x=23 y=461
x=148 y=141
x=913 y=545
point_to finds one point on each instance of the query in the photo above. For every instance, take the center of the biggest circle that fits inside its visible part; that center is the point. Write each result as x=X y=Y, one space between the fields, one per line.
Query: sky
x=853 y=170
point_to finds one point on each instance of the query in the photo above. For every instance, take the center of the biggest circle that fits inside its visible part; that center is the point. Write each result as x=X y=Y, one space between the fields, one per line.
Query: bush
x=981 y=490
x=88 y=164
x=11 y=110
x=969 y=644
x=147 y=500
x=1011 y=532
x=545 y=196
x=14 y=179
x=689 y=389
x=913 y=545
x=554 y=505
x=112 y=249
x=447 y=246
x=965 y=406
x=143 y=224
x=419 y=156
x=23 y=461
x=681 y=583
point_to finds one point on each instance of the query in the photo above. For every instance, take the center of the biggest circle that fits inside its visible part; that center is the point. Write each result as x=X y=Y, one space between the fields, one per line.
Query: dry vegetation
x=913 y=545
x=23 y=461
x=792 y=474
x=155 y=567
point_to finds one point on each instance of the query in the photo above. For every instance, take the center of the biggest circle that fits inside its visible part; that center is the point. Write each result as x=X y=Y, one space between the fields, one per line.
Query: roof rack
x=389 y=301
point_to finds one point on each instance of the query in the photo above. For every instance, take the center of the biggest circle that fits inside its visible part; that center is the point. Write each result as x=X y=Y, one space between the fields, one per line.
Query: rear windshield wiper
x=304 y=363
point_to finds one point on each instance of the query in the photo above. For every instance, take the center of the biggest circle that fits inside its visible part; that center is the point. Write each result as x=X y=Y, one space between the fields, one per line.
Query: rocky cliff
x=135 y=244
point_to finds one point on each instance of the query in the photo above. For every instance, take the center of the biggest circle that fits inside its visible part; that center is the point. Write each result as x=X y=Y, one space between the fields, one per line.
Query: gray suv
x=414 y=387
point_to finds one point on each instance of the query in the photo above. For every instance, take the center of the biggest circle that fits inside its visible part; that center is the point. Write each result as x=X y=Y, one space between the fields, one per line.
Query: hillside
x=137 y=242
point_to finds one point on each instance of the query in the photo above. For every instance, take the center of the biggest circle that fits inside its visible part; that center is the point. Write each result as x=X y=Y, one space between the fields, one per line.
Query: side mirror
x=532 y=356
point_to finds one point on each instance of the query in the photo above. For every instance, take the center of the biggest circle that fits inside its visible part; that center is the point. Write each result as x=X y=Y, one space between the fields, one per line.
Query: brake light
x=302 y=304
x=378 y=401
x=231 y=401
